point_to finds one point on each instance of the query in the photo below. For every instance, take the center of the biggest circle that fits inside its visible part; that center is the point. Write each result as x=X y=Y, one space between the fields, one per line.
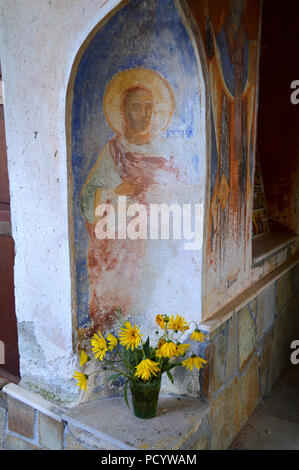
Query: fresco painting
x=137 y=119
x=138 y=105
x=229 y=30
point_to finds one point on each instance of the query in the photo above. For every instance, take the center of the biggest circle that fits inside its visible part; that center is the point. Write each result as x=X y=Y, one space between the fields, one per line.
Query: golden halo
x=160 y=88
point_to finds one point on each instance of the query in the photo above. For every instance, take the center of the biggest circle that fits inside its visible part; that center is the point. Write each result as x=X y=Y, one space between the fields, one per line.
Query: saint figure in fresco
x=230 y=31
x=138 y=106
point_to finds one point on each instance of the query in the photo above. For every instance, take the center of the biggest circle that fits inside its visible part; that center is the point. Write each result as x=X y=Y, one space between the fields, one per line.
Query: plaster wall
x=39 y=42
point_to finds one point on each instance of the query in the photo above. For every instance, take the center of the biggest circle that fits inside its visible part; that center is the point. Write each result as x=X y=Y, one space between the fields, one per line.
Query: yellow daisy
x=194 y=361
x=146 y=368
x=82 y=380
x=129 y=336
x=112 y=341
x=83 y=358
x=182 y=348
x=160 y=321
x=197 y=335
x=99 y=346
x=158 y=350
x=178 y=324
x=168 y=349
x=158 y=353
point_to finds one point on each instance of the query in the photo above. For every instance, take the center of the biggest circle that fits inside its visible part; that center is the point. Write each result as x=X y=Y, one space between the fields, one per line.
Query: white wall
x=39 y=42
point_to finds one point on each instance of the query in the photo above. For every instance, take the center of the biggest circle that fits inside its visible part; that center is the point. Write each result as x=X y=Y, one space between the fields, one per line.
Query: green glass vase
x=145 y=397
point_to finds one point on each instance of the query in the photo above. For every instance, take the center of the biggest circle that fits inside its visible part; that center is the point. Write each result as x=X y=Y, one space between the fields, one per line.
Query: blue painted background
x=146 y=34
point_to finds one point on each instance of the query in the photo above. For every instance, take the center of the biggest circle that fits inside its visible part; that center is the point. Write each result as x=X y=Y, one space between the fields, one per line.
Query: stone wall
x=246 y=356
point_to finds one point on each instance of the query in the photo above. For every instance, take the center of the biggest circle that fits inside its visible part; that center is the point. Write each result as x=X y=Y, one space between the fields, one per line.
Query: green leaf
x=138 y=356
x=146 y=347
x=171 y=366
x=164 y=364
x=169 y=375
x=129 y=357
x=113 y=377
x=126 y=393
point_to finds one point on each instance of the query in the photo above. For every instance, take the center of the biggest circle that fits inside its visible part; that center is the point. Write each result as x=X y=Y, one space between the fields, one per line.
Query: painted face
x=138 y=109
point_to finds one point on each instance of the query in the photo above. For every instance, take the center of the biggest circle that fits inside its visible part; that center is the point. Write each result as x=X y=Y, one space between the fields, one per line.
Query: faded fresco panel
x=138 y=131
x=230 y=33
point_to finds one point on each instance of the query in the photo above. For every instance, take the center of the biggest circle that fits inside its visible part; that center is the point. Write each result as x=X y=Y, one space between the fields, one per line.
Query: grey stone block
x=21 y=418
x=50 y=432
x=2 y=425
x=15 y=443
x=232 y=348
x=266 y=310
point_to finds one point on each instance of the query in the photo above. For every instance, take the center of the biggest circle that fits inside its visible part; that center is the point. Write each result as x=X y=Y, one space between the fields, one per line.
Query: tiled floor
x=275 y=424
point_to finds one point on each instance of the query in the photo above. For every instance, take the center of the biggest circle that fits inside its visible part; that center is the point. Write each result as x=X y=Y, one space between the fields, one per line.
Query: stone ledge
x=176 y=425
x=33 y=400
x=215 y=321
x=181 y=423
x=267 y=245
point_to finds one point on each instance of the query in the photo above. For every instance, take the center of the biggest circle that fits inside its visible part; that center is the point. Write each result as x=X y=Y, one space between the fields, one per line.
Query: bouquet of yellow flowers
x=138 y=362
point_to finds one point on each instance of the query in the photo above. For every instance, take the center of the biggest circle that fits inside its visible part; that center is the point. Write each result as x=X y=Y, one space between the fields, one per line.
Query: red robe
x=115 y=266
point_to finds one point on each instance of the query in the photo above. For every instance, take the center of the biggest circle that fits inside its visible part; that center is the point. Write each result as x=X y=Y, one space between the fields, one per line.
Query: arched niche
x=144 y=277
